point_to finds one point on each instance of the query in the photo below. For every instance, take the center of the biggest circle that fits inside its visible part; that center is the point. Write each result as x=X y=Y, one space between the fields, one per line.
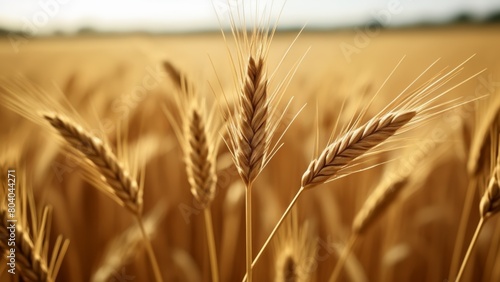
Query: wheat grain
x=352 y=145
x=124 y=189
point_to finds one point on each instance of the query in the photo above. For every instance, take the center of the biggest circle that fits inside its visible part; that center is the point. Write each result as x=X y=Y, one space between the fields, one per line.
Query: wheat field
x=180 y=136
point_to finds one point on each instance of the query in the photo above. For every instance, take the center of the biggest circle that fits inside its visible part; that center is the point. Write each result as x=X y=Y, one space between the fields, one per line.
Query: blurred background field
x=118 y=80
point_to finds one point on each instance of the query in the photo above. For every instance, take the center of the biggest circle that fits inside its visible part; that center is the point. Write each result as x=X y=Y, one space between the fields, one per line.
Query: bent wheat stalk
x=252 y=143
x=487 y=119
x=121 y=187
x=200 y=143
x=341 y=152
x=355 y=143
x=488 y=206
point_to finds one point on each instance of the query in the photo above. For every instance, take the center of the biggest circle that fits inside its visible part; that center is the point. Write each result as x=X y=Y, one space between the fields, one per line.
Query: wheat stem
x=462 y=228
x=149 y=251
x=469 y=250
x=248 y=222
x=276 y=227
x=343 y=257
x=212 y=251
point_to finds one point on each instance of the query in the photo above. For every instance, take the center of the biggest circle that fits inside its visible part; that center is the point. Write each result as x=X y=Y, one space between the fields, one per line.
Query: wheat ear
x=32 y=240
x=202 y=176
x=250 y=149
x=200 y=160
x=124 y=189
x=489 y=204
x=253 y=141
x=352 y=145
x=121 y=186
x=487 y=120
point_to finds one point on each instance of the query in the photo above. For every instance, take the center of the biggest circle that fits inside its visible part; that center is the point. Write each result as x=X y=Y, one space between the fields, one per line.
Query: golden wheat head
x=352 y=145
x=122 y=187
x=198 y=136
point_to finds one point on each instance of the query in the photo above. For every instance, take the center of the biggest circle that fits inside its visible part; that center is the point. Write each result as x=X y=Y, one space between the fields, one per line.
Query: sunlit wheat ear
x=257 y=123
x=251 y=143
x=34 y=261
x=410 y=109
x=118 y=183
x=123 y=247
x=197 y=132
x=294 y=249
x=352 y=145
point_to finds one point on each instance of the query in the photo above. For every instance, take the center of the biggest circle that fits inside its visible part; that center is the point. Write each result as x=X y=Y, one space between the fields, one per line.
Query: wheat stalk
x=489 y=204
x=354 y=143
x=200 y=160
x=251 y=143
x=120 y=186
x=487 y=120
x=200 y=144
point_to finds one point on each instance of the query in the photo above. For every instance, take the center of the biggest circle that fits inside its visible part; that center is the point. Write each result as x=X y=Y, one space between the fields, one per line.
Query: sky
x=42 y=17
